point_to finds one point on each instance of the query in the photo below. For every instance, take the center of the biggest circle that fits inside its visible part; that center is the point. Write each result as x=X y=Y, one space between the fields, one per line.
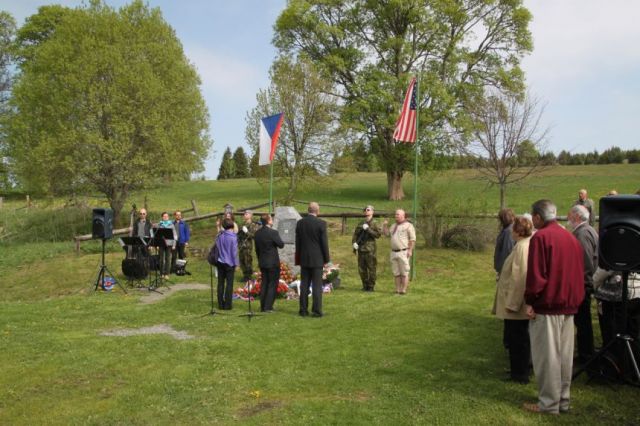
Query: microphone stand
x=213 y=311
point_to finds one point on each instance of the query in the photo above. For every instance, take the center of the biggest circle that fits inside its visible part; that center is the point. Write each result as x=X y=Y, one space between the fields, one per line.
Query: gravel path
x=154 y=329
x=164 y=292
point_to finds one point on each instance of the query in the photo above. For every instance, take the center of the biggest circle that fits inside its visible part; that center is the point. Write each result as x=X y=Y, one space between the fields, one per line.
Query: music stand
x=159 y=240
x=136 y=249
x=104 y=272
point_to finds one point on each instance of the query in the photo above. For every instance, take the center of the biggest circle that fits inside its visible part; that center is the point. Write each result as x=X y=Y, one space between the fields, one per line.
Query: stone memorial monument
x=284 y=221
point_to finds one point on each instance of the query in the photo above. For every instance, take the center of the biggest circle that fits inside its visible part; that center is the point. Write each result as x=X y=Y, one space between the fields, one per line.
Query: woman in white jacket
x=510 y=305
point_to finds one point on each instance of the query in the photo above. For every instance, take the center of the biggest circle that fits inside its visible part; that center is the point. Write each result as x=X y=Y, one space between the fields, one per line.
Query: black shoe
x=303 y=314
x=317 y=315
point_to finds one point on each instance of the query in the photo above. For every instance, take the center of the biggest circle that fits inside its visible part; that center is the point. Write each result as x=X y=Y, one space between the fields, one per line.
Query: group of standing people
x=403 y=239
x=170 y=248
x=546 y=276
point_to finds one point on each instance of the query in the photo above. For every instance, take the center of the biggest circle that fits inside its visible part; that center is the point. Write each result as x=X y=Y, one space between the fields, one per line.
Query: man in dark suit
x=267 y=241
x=312 y=253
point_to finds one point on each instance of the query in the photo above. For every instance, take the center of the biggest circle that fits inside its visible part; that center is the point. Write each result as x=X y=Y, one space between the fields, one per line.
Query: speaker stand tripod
x=104 y=272
x=623 y=339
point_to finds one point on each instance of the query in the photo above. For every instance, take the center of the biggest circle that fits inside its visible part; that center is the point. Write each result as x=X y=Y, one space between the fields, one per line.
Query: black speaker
x=102 y=225
x=619 y=243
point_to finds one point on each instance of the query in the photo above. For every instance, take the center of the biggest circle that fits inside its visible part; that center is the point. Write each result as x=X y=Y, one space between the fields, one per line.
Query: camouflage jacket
x=245 y=239
x=366 y=239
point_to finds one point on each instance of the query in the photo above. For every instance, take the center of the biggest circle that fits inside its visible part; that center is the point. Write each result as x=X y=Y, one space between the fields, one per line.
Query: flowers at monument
x=330 y=272
x=253 y=286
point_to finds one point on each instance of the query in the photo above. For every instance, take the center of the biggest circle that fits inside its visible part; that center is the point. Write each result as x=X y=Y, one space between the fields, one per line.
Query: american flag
x=406 y=124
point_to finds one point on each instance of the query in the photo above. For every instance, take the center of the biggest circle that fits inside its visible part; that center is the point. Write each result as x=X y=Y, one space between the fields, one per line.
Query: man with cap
x=364 y=244
x=246 y=235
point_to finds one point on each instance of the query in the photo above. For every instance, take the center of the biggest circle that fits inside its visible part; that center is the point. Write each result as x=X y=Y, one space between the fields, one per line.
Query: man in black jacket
x=312 y=253
x=267 y=241
x=579 y=218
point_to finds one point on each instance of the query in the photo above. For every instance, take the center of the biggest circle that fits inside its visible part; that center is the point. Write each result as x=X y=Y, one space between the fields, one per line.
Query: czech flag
x=269 y=133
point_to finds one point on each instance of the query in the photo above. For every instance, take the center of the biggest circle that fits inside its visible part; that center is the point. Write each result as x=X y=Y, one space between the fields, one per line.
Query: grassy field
x=431 y=357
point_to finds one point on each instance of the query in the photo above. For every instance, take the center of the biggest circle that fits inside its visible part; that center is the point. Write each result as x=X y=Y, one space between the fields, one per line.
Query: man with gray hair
x=554 y=291
x=588 y=239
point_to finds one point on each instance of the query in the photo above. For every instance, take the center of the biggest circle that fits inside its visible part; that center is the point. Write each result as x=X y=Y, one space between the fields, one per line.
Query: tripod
x=250 y=314
x=621 y=338
x=213 y=311
x=104 y=271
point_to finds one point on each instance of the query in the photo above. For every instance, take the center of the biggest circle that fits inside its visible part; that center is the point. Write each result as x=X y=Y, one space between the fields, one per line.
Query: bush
x=465 y=237
x=442 y=211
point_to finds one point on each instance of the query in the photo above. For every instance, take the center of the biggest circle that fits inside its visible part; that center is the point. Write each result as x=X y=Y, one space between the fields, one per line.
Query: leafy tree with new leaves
x=227 y=166
x=370 y=49
x=104 y=100
x=240 y=163
x=7 y=33
x=308 y=134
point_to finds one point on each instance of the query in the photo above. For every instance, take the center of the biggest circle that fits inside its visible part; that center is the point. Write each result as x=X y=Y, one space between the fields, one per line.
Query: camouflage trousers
x=367 y=263
x=246 y=264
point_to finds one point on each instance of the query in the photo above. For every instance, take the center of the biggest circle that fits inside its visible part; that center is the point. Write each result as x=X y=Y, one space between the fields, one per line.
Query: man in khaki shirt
x=403 y=239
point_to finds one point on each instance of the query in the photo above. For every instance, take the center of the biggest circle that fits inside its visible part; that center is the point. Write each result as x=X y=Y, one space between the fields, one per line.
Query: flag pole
x=412 y=276
x=271 y=187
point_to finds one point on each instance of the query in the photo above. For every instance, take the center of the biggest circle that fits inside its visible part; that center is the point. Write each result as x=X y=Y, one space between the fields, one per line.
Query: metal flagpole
x=271 y=187
x=415 y=178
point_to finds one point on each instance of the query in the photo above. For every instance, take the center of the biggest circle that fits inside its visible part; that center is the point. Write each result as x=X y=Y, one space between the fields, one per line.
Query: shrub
x=465 y=237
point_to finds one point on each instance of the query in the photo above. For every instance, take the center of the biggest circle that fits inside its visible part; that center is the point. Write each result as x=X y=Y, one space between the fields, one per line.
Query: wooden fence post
x=344 y=225
x=195 y=209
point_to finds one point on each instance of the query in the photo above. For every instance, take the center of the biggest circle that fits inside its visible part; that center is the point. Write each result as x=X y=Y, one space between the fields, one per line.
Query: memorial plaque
x=284 y=221
x=287 y=230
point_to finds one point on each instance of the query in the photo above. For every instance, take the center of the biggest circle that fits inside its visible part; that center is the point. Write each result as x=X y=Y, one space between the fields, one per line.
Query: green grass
x=431 y=357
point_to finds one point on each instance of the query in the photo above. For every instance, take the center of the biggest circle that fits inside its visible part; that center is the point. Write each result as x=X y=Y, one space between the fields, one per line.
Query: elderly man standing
x=584 y=200
x=312 y=253
x=588 y=239
x=364 y=244
x=403 y=240
x=554 y=291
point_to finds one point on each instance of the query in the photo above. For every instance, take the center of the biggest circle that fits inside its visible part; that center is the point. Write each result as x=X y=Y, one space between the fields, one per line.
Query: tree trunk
x=503 y=190
x=394 y=185
x=116 y=201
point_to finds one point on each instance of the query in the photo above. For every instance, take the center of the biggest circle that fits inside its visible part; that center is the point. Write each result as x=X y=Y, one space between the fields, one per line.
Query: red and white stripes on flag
x=406 y=125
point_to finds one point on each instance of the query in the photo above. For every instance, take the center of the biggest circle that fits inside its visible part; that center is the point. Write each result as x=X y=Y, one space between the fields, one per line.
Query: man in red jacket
x=554 y=291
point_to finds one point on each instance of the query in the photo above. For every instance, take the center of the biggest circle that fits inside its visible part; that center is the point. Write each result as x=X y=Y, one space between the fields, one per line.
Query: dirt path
x=150 y=297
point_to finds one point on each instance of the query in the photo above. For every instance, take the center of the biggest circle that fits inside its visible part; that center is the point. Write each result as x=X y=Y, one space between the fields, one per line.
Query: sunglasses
x=143 y=214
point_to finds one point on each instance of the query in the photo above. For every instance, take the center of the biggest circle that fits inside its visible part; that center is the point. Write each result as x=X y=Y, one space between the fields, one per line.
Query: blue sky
x=585 y=65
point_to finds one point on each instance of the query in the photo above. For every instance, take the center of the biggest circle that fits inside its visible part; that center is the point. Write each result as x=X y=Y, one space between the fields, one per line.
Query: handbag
x=610 y=290
x=214 y=253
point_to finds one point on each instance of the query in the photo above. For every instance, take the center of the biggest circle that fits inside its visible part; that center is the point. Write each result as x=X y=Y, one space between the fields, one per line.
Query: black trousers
x=270 y=278
x=517 y=336
x=582 y=321
x=313 y=277
x=225 y=285
x=165 y=260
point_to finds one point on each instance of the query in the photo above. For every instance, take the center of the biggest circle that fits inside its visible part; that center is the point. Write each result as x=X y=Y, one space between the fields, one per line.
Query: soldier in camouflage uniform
x=364 y=243
x=245 y=245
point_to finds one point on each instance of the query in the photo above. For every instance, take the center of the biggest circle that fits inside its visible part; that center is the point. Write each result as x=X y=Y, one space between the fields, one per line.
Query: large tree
x=307 y=136
x=7 y=32
x=371 y=48
x=227 y=166
x=104 y=100
x=508 y=136
x=240 y=163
